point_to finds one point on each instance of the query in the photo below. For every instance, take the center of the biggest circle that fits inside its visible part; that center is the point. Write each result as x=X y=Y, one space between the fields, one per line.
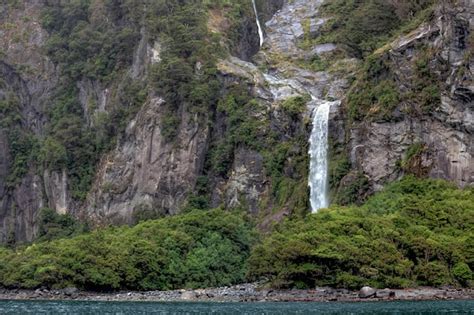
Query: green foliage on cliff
x=23 y=146
x=378 y=91
x=295 y=105
x=88 y=41
x=53 y=225
x=199 y=249
x=363 y=26
x=416 y=232
x=84 y=47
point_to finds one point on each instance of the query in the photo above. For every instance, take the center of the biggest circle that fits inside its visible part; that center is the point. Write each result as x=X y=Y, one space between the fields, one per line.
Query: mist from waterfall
x=318 y=152
x=259 y=26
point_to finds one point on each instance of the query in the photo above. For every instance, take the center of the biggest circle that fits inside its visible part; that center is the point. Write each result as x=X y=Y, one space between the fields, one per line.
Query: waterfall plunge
x=260 y=31
x=318 y=152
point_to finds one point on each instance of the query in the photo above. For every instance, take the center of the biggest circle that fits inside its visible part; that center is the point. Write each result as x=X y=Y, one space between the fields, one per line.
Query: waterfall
x=318 y=151
x=260 y=31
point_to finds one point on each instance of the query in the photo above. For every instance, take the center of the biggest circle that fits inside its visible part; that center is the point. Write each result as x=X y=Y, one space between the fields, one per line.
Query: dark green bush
x=295 y=105
x=53 y=225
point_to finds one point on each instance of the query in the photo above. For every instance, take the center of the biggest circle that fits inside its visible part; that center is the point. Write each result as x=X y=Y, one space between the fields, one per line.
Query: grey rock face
x=286 y=26
x=31 y=77
x=146 y=171
x=56 y=188
x=4 y=163
x=246 y=182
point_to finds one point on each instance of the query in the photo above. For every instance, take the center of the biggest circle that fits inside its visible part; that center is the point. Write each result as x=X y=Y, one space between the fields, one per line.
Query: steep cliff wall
x=27 y=81
x=118 y=113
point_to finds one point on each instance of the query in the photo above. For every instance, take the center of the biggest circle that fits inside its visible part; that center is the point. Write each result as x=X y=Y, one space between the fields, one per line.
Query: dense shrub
x=53 y=225
x=199 y=249
x=416 y=232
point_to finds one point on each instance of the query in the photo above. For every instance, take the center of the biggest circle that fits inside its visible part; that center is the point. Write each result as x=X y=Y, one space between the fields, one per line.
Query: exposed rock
x=30 y=75
x=246 y=182
x=286 y=26
x=147 y=171
x=385 y=293
x=55 y=184
x=188 y=295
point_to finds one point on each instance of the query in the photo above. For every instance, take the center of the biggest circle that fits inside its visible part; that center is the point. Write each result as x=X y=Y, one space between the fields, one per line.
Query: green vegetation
x=287 y=165
x=54 y=226
x=427 y=84
x=22 y=144
x=242 y=127
x=199 y=249
x=353 y=190
x=412 y=161
x=375 y=94
x=295 y=105
x=416 y=232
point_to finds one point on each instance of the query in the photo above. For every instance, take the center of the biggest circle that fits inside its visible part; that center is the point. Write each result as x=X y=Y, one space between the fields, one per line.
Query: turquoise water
x=122 y=308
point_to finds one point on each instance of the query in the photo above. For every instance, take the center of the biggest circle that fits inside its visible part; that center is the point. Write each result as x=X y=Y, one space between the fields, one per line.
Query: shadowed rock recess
x=114 y=112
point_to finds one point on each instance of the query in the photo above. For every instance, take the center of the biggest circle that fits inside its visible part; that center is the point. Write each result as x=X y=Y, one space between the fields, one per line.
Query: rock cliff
x=248 y=147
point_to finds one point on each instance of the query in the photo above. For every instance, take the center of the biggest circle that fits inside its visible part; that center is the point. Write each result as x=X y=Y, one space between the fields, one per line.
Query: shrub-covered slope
x=198 y=249
x=415 y=232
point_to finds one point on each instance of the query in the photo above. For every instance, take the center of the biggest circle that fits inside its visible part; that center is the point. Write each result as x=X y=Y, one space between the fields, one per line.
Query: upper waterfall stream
x=259 y=26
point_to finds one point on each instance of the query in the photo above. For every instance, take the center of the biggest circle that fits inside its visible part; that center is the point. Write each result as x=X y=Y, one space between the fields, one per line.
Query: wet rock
x=70 y=291
x=367 y=292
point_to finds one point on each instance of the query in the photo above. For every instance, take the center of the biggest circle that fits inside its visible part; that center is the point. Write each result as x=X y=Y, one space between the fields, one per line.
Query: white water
x=318 y=152
x=260 y=31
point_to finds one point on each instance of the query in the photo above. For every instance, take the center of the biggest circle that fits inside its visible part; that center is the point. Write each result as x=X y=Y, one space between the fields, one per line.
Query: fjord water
x=260 y=308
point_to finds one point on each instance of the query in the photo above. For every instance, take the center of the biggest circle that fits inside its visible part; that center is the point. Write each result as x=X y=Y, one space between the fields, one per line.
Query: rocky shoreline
x=246 y=293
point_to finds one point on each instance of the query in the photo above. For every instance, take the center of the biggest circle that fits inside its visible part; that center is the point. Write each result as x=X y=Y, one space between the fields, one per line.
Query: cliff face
x=248 y=149
x=430 y=130
x=27 y=81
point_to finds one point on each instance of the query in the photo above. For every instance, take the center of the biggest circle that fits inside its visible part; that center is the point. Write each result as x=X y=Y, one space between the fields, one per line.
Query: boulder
x=367 y=292
x=70 y=291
